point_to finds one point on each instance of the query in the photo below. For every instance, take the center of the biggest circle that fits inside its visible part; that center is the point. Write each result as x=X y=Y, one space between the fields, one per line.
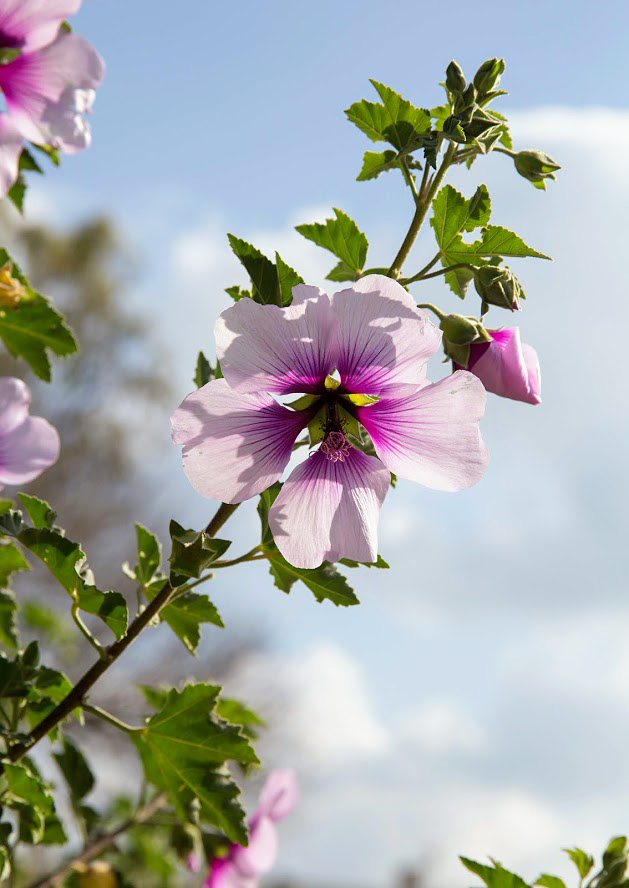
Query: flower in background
x=506 y=366
x=242 y=867
x=237 y=440
x=47 y=86
x=28 y=444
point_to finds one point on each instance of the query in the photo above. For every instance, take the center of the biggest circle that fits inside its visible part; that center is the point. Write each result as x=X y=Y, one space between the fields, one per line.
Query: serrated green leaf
x=452 y=213
x=380 y=563
x=75 y=769
x=31 y=326
x=238 y=293
x=325 y=582
x=192 y=553
x=341 y=272
x=185 y=616
x=287 y=279
x=583 y=861
x=493 y=876
x=38 y=510
x=11 y=560
x=395 y=120
x=236 y=713
x=342 y=237
x=30 y=797
x=376 y=162
x=184 y=746
x=149 y=551
x=203 y=372
x=64 y=559
x=260 y=269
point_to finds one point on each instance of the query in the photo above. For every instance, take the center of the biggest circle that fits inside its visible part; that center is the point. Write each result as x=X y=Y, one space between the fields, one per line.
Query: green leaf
x=185 y=615
x=184 y=746
x=149 y=551
x=8 y=622
x=31 y=327
x=16 y=194
x=47 y=690
x=267 y=498
x=238 y=293
x=11 y=559
x=38 y=510
x=272 y=284
x=75 y=769
x=547 y=881
x=379 y=563
x=203 y=372
x=583 y=862
x=376 y=162
x=287 y=279
x=325 y=582
x=495 y=241
x=192 y=553
x=395 y=120
x=341 y=237
x=493 y=876
x=28 y=794
x=452 y=213
x=341 y=272
x=65 y=559
x=237 y=713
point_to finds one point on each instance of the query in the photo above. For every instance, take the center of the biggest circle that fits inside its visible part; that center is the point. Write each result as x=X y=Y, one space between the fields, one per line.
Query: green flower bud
x=497 y=285
x=453 y=130
x=535 y=166
x=488 y=75
x=455 y=79
x=460 y=330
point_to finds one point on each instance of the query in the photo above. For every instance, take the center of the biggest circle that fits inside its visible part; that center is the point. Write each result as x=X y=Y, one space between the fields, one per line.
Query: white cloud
x=441 y=727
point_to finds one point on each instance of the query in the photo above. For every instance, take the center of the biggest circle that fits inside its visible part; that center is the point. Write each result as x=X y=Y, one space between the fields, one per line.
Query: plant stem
x=432 y=308
x=99 y=845
x=423 y=206
x=108 y=717
x=224 y=511
x=421 y=276
x=409 y=178
x=76 y=696
x=248 y=556
x=504 y=151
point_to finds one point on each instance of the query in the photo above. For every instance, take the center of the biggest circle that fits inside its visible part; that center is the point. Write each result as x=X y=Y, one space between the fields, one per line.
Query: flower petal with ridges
x=279 y=350
x=31 y=24
x=383 y=338
x=234 y=445
x=329 y=509
x=431 y=435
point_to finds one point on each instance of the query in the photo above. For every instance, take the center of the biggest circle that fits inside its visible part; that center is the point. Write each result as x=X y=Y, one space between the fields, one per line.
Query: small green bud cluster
x=469 y=121
x=497 y=285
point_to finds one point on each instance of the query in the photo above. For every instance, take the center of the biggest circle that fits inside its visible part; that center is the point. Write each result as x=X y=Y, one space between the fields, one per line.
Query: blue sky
x=451 y=711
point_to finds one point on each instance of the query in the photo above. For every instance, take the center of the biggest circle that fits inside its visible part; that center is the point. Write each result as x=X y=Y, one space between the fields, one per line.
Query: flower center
x=335 y=446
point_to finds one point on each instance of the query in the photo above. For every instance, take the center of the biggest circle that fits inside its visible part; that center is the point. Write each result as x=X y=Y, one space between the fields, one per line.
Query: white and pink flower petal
x=32 y=24
x=383 y=338
x=46 y=91
x=11 y=144
x=507 y=367
x=328 y=509
x=27 y=450
x=279 y=794
x=234 y=445
x=431 y=434
x=15 y=400
x=259 y=855
x=279 y=350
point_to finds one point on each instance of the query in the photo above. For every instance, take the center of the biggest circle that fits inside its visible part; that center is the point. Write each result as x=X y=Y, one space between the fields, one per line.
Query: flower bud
x=460 y=330
x=505 y=366
x=535 y=166
x=497 y=285
x=455 y=80
x=488 y=75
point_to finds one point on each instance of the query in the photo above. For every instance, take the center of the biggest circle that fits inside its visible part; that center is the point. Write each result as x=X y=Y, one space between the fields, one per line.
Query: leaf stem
x=421 y=211
x=98 y=647
x=409 y=178
x=421 y=276
x=248 y=556
x=108 y=717
x=97 y=847
x=433 y=308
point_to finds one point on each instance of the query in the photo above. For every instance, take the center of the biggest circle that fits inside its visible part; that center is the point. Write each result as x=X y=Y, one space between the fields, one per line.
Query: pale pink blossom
x=48 y=87
x=507 y=367
x=28 y=444
x=237 y=439
x=242 y=866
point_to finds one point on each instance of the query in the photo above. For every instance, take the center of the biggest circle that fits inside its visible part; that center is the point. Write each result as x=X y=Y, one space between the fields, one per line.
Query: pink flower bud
x=506 y=366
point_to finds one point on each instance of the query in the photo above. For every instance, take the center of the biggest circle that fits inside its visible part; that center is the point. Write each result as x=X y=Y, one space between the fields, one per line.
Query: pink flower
x=507 y=367
x=242 y=866
x=237 y=439
x=48 y=87
x=28 y=444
